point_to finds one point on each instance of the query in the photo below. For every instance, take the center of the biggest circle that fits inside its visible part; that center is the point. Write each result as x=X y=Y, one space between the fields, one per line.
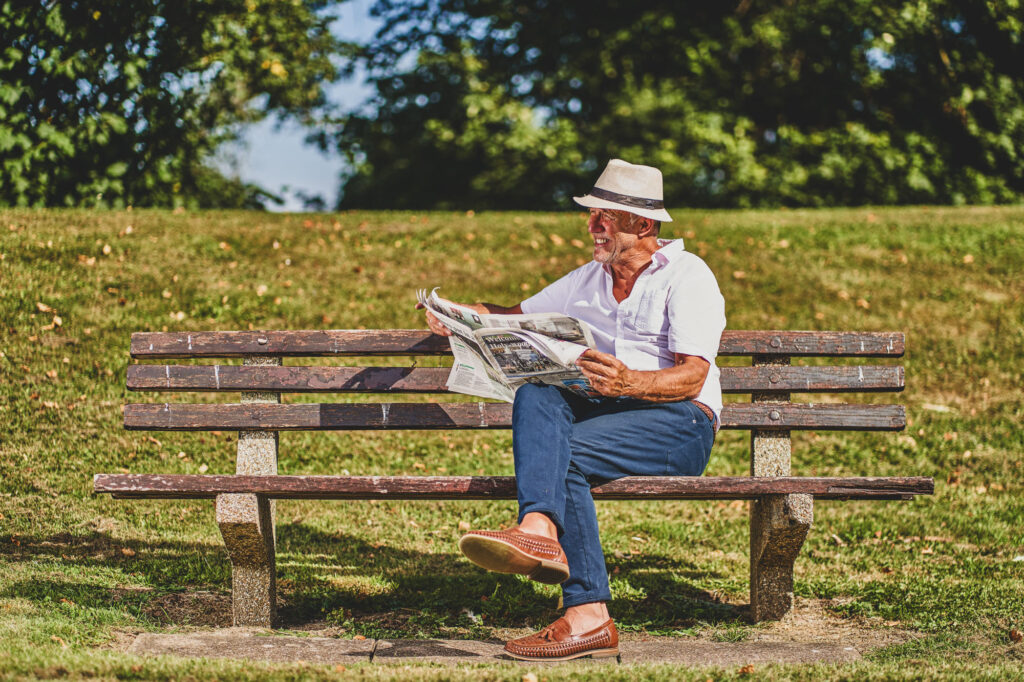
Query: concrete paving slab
x=255 y=645
x=260 y=645
x=438 y=651
x=699 y=652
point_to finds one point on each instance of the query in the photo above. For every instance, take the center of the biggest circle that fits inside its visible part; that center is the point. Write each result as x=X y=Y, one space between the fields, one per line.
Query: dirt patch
x=195 y=608
x=811 y=621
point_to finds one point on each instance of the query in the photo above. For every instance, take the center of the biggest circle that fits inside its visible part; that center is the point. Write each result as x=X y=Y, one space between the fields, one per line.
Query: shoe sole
x=503 y=557
x=596 y=653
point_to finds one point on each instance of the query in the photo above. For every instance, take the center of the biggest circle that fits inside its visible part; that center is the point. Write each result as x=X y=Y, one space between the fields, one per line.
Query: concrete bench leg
x=778 y=527
x=778 y=523
x=247 y=525
x=247 y=521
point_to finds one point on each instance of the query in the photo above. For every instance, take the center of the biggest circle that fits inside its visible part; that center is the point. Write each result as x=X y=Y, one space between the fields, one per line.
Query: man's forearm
x=681 y=382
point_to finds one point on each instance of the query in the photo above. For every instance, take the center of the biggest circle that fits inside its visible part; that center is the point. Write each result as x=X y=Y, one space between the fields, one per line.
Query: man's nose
x=593 y=223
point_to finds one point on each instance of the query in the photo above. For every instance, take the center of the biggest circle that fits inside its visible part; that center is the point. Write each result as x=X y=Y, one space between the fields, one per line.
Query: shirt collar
x=669 y=250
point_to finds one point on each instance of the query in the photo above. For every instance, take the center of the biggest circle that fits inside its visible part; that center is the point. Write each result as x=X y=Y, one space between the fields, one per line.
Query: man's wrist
x=635 y=385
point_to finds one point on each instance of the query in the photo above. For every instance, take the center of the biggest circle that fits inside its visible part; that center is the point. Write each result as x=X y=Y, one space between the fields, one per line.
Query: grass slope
x=76 y=570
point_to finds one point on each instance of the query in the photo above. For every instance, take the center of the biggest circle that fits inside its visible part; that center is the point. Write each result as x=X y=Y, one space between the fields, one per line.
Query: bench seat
x=281 y=487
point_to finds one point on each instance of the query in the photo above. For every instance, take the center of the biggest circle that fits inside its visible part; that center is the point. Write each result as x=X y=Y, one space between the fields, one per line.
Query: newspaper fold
x=496 y=354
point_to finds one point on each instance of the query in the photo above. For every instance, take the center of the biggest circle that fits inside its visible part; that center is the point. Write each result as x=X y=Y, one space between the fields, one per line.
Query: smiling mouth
x=600 y=242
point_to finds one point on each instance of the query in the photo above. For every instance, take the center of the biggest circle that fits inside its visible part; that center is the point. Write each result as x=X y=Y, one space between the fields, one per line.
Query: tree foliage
x=498 y=103
x=124 y=102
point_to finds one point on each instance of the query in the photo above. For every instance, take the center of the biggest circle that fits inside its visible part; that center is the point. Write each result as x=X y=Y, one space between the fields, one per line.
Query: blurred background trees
x=498 y=103
x=116 y=103
x=518 y=103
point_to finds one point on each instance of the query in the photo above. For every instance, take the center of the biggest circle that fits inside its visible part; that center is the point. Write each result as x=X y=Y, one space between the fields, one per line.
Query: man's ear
x=647 y=228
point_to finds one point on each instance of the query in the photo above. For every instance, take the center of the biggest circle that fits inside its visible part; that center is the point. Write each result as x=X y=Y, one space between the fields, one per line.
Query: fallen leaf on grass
x=52 y=373
x=127 y=551
x=154 y=441
x=464 y=525
x=530 y=677
x=43 y=308
x=746 y=670
x=360 y=637
x=1015 y=635
x=65 y=600
x=63 y=644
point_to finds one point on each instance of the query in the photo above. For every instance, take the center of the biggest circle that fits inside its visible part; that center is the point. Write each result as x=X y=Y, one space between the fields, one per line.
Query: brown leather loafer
x=512 y=551
x=557 y=643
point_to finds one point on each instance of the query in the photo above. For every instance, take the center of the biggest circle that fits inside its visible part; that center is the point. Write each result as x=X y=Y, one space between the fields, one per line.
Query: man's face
x=613 y=232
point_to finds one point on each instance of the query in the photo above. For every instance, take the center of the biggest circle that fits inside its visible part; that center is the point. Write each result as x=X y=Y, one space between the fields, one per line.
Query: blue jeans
x=565 y=444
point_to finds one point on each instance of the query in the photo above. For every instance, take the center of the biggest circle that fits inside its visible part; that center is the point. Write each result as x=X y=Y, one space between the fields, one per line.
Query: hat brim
x=593 y=202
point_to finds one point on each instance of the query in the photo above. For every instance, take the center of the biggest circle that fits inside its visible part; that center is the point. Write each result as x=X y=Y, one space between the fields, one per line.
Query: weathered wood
x=378 y=416
x=813 y=344
x=786 y=379
x=311 y=343
x=395 y=342
x=503 y=487
x=858 y=379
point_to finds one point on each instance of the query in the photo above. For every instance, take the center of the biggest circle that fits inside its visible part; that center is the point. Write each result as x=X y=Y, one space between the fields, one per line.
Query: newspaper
x=496 y=354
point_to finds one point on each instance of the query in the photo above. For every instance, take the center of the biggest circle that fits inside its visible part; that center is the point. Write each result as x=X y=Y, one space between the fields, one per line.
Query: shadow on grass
x=426 y=590
x=372 y=589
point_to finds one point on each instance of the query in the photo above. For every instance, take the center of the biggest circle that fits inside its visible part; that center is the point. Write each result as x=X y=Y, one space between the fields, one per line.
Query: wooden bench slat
x=479 y=415
x=394 y=342
x=813 y=344
x=287 y=379
x=860 y=379
x=502 y=487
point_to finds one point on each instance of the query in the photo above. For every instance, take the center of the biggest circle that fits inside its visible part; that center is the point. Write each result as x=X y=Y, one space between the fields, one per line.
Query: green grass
x=77 y=571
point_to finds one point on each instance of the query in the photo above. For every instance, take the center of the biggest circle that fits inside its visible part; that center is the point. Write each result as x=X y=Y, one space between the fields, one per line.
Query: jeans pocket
x=693 y=450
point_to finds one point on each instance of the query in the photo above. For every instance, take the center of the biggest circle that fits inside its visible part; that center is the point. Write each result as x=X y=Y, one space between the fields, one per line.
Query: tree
x=494 y=103
x=124 y=102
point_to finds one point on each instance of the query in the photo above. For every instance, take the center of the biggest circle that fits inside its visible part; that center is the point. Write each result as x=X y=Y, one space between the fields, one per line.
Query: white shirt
x=675 y=307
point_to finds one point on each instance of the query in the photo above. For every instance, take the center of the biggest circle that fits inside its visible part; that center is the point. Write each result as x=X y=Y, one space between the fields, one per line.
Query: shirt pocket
x=651 y=314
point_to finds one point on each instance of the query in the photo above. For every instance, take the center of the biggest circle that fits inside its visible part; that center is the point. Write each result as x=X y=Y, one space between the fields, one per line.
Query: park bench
x=781 y=508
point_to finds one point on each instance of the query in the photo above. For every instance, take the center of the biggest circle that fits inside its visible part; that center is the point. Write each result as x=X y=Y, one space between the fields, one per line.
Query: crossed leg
x=565 y=444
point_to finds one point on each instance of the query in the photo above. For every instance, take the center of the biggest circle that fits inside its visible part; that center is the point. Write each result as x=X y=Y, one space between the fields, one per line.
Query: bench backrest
x=770 y=380
x=770 y=376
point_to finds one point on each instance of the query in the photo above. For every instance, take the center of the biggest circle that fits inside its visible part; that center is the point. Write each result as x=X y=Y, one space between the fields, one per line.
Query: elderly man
x=657 y=317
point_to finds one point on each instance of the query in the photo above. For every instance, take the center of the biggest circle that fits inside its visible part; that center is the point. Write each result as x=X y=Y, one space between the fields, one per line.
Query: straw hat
x=628 y=187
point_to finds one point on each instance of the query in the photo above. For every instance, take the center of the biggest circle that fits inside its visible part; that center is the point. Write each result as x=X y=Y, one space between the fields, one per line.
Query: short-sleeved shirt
x=675 y=307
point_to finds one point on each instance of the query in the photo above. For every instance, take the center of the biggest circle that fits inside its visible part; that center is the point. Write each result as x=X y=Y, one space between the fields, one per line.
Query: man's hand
x=607 y=374
x=434 y=324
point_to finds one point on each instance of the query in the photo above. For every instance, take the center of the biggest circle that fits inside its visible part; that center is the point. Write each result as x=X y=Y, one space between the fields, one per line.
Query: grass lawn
x=80 y=574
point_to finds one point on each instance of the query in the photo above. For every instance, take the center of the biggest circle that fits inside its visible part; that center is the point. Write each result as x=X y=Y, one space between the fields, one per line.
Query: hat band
x=626 y=200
